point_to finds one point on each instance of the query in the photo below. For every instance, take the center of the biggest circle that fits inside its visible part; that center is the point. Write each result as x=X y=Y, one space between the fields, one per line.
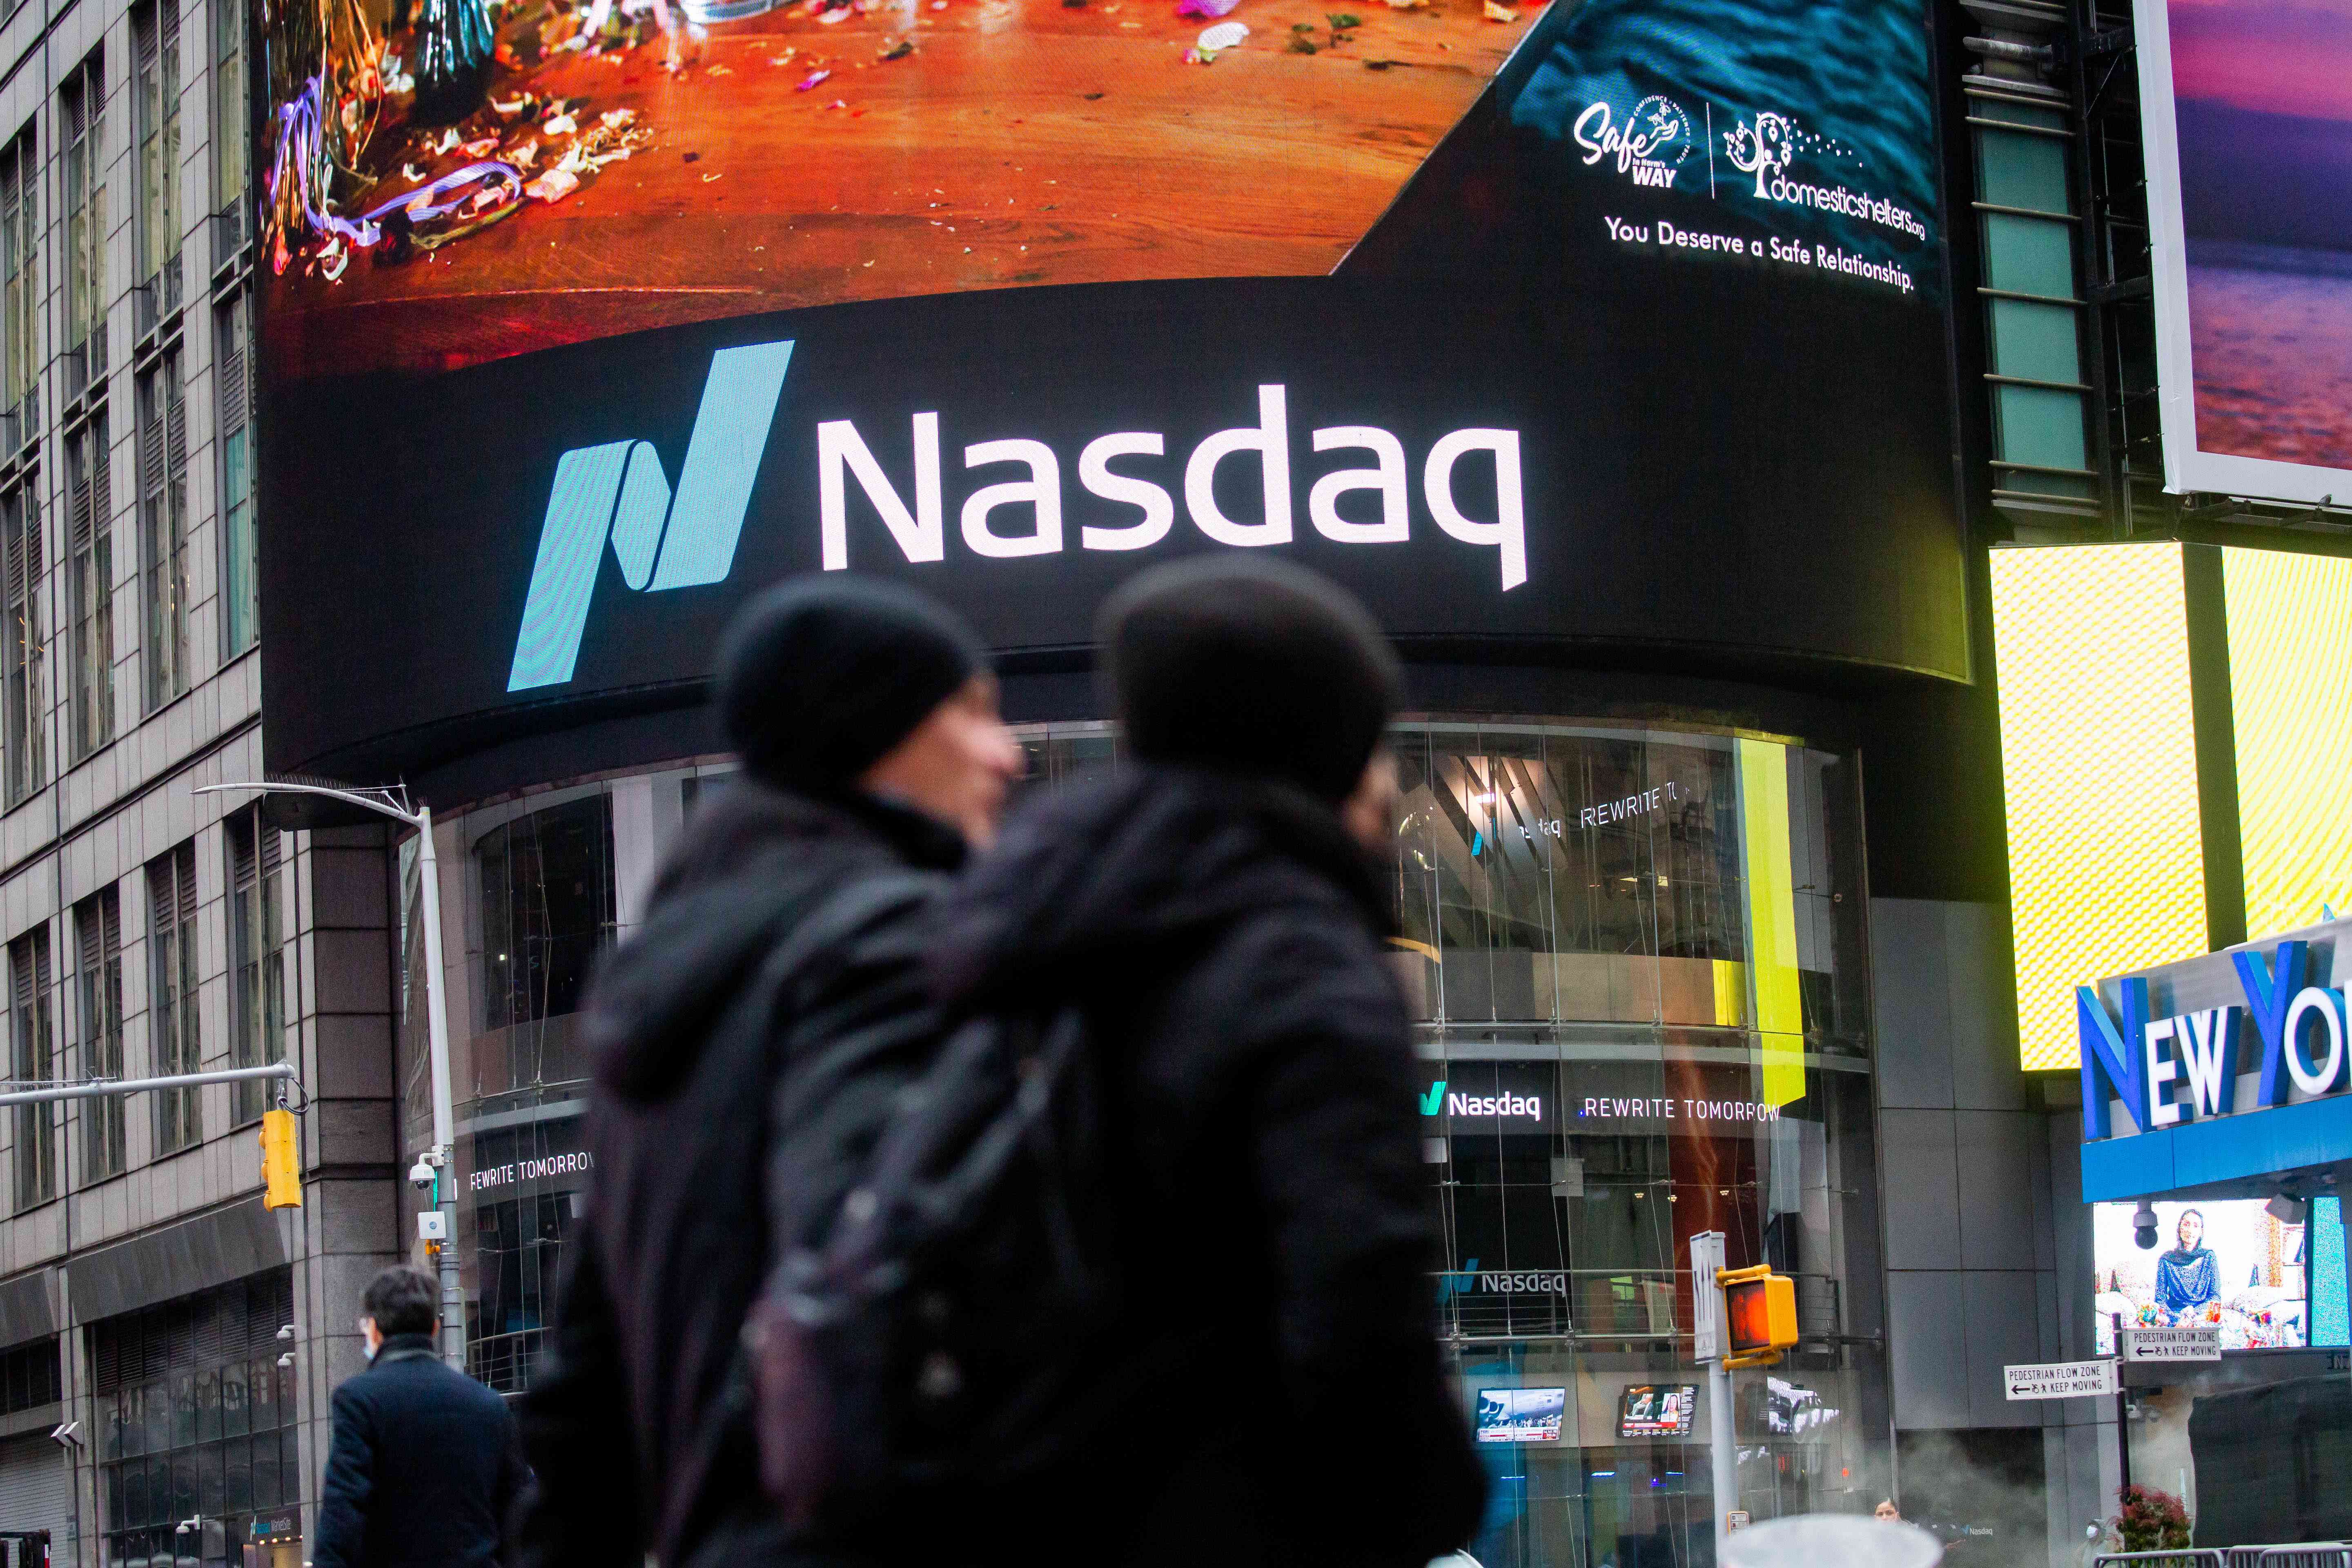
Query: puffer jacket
x=1226 y=936
x=635 y=1422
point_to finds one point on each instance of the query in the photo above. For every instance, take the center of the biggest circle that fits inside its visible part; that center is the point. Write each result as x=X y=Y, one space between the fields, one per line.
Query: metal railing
x=2302 y=1555
x=2177 y=1557
x=1480 y=1302
x=506 y=1363
x=158 y=300
x=85 y=363
x=231 y=232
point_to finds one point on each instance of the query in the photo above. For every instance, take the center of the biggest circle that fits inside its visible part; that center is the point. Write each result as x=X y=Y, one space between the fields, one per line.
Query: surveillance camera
x=2144 y=1228
x=420 y=1175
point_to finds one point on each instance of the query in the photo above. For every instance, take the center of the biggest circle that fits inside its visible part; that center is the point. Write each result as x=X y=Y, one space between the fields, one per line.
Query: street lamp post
x=383 y=803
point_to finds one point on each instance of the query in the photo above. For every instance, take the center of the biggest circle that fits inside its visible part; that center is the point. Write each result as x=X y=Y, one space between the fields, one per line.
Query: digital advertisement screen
x=1521 y=1415
x=2106 y=872
x=2229 y=1264
x=2247 y=109
x=582 y=321
x=1793 y=1410
x=1656 y=1410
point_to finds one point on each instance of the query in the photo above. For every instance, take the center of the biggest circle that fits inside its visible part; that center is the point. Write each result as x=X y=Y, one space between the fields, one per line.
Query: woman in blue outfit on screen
x=2188 y=1276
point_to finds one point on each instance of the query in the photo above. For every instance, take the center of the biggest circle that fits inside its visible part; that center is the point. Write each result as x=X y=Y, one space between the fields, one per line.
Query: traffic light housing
x=1759 y=1314
x=281 y=1165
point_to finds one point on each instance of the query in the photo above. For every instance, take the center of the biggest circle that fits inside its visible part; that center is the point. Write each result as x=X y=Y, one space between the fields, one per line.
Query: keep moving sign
x=2060 y=1380
x=2086 y=1379
x=2203 y=1343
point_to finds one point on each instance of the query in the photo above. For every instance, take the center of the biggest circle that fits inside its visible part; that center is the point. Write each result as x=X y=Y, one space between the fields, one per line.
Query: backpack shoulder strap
x=838 y=915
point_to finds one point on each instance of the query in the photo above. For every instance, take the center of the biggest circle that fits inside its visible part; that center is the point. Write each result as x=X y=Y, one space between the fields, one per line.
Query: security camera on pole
x=1740 y=1317
x=432 y=1169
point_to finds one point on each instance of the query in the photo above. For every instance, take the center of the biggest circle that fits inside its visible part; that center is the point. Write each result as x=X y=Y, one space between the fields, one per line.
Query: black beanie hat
x=819 y=676
x=1248 y=665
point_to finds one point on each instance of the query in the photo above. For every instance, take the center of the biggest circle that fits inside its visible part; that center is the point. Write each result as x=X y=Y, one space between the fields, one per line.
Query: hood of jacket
x=749 y=862
x=1092 y=880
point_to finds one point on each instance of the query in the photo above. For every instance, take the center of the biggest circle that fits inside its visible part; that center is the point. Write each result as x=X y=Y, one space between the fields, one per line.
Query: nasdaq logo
x=1459 y=1282
x=618 y=494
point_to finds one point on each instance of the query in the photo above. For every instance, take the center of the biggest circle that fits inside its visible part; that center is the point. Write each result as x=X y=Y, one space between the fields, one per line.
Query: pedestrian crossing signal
x=1760 y=1309
x=281 y=1166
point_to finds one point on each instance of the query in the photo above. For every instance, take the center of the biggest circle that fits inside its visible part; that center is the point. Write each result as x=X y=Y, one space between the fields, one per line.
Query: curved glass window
x=547 y=908
x=1634 y=960
x=1554 y=874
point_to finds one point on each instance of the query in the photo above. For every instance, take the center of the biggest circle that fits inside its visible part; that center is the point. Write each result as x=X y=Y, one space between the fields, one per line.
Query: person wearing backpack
x=1269 y=1388
x=872 y=756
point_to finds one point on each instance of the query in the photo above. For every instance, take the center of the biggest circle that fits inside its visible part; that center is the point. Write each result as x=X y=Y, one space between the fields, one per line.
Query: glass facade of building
x=196 y=1433
x=1635 y=962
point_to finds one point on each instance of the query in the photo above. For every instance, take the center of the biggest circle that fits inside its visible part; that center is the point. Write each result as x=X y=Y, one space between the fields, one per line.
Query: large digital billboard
x=1549 y=330
x=2247 y=109
x=2107 y=865
x=2107 y=868
x=2229 y=1265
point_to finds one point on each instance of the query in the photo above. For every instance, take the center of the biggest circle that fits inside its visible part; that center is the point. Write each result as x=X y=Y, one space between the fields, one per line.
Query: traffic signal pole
x=443 y=1156
x=99 y=1087
x=1706 y=1255
x=1740 y=1317
x=1724 y=1442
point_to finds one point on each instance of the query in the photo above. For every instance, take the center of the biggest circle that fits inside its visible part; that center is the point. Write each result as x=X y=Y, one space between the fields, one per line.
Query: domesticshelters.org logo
x=618 y=494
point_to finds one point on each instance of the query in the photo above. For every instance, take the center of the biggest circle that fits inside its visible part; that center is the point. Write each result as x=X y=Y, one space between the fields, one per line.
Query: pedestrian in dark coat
x=425 y=1466
x=868 y=728
x=1217 y=908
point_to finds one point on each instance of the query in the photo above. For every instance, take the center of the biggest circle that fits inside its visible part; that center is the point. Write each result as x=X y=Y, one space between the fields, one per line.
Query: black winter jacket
x=1227 y=936
x=635 y=1426
x=423 y=1469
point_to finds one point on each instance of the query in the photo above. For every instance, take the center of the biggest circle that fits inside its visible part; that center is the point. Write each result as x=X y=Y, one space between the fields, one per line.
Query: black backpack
x=935 y=1327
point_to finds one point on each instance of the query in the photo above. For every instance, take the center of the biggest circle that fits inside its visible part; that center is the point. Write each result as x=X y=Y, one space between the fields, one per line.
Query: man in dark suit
x=425 y=1463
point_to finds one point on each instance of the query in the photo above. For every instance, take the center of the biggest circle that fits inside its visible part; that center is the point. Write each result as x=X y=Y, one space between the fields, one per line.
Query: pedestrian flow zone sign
x=2199 y=1343
x=2060 y=1379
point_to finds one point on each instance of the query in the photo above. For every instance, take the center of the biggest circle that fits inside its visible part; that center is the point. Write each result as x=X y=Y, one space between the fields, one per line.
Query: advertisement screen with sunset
x=2248 y=107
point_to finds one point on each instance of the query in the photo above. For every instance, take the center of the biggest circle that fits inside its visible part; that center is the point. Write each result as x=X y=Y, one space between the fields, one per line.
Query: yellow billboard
x=2290 y=645
x=2099 y=771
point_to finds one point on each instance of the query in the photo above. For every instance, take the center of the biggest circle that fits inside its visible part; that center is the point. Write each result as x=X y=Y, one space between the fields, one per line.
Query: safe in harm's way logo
x=1648 y=148
x=618 y=493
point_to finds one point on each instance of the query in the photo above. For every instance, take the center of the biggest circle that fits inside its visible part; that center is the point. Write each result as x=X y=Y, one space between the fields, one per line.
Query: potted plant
x=2151 y=1520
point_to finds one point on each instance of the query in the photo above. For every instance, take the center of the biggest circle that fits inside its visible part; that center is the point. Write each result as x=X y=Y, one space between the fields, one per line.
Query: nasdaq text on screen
x=617 y=493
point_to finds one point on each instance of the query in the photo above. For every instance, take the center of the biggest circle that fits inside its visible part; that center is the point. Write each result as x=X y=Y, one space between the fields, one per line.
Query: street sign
x=1707 y=1297
x=2199 y=1343
x=2060 y=1380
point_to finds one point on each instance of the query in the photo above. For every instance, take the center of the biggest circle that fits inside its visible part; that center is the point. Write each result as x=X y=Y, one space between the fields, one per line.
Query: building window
x=33 y=1060
x=83 y=103
x=20 y=298
x=163 y=525
x=172 y=1007
x=21 y=658
x=194 y=1419
x=28 y=1377
x=155 y=44
x=547 y=908
x=232 y=163
x=89 y=587
x=520 y=1237
x=256 y=938
x=241 y=592
x=98 y=974
x=2033 y=336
